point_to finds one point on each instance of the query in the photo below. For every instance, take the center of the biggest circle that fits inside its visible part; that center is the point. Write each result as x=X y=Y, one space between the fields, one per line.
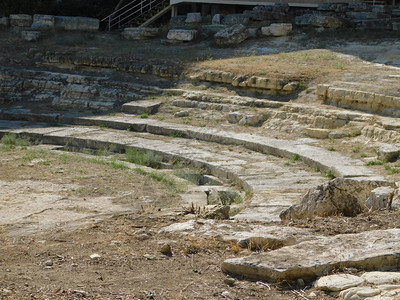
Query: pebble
x=48 y=263
x=166 y=249
x=95 y=255
x=225 y=294
x=230 y=281
x=312 y=295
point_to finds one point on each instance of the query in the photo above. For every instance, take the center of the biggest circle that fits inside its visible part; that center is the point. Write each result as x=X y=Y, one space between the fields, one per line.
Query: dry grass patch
x=302 y=65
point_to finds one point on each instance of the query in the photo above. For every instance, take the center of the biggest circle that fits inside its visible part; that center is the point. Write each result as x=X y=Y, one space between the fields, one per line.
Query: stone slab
x=21 y=20
x=379 y=278
x=338 y=282
x=77 y=23
x=183 y=35
x=372 y=250
x=141 y=107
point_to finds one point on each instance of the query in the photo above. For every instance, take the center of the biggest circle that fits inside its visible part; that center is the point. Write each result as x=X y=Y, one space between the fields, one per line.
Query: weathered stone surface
x=30 y=36
x=217 y=19
x=139 y=33
x=43 y=22
x=339 y=282
x=396 y=26
x=193 y=18
x=252 y=120
x=277 y=29
x=21 y=20
x=326 y=22
x=217 y=212
x=359 y=293
x=231 y=36
x=317 y=133
x=389 y=152
x=341 y=196
x=378 y=278
x=77 y=23
x=234 y=117
x=372 y=250
x=235 y=19
x=141 y=107
x=304 y=20
x=254 y=31
x=176 y=227
x=182 y=35
x=4 y=22
x=380 y=197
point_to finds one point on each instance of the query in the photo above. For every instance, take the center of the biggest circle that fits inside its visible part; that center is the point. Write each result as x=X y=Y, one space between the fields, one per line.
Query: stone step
x=315 y=157
x=255 y=172
x=204 y=105
x=141 y=107
x=371 y=250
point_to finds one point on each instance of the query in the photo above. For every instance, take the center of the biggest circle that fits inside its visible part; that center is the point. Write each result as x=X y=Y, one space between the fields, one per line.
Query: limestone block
x=240 y=81
x=326 y=22
x=338 y=282
x=291 y=87
x=266 y=83
x=304 y=20
x=381 y=277
x=234 y=117
x=235 y=19
x=30 y=36
x=380 y=197
x=4 y=22
x=231 y=36
x=139 y=33
x=277 y=29
x=77 y=23
x=43 y=22
x=193 y=18
x=182 y=35
x=382 y=9
x=217 y=212
x=21 y=20
x=317 y=133
x=389 y=152
x=341 y=196
x=252 y=120
x=217 y=19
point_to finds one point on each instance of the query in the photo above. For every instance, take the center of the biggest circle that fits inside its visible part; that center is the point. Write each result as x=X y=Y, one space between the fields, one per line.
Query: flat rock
x=139 y=33
x=356 y=293
x=30 y=36
x=141 y=107
x=379 y=278
x=372 y=250
x=184 y=35
x=338 y=282
x=43 y=22
x=21 y=20
x=77 y=23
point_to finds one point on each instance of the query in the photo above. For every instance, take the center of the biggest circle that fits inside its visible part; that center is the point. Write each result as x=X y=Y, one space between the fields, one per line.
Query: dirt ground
x=101 y=239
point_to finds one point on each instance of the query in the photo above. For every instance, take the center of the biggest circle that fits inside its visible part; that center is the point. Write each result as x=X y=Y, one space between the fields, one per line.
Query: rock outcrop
x=231 y=36
x=341 y=196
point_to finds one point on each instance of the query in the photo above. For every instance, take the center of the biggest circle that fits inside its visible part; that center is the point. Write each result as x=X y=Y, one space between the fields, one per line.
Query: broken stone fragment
x=277 y=29
x=389 y=152
x=338 y=282
x=231 y=36
x=380 y=198
x=341 y=196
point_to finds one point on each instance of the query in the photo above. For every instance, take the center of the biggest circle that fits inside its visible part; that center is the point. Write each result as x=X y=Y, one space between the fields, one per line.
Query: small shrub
x=144 y=158
x=295 y=157
x=374 y=162
x=11 y=141
x=392 y=170
x=331 y=148
x=177 y=134
x=356 y=149
x=144 y=116
x=118 y=165
x=330 y=174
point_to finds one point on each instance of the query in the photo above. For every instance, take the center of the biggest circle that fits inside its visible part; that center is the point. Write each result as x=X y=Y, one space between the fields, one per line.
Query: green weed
x=144 y=158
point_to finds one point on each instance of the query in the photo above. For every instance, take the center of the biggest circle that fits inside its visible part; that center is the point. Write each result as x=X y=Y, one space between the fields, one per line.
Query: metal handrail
x=136 y=7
